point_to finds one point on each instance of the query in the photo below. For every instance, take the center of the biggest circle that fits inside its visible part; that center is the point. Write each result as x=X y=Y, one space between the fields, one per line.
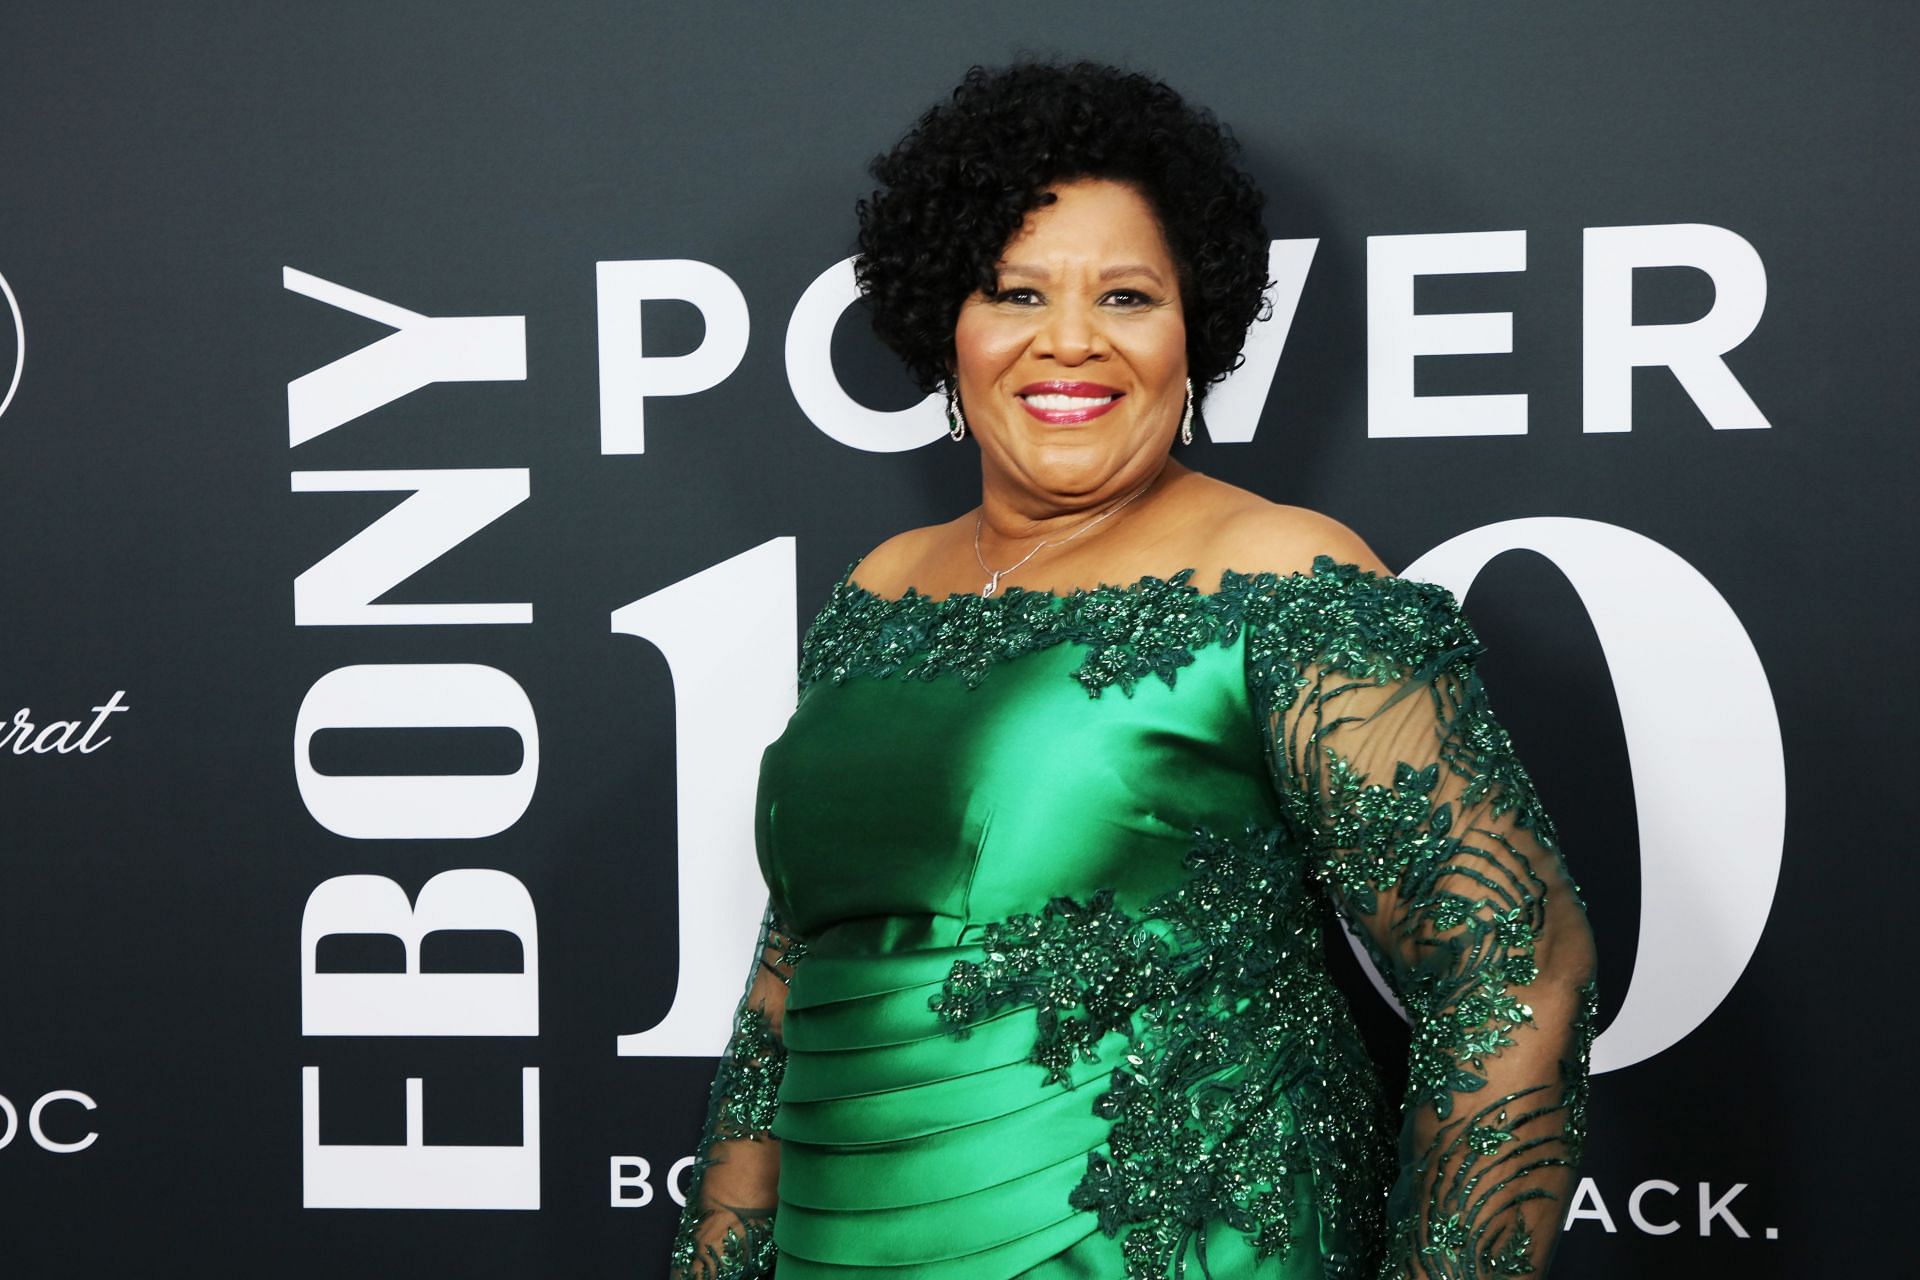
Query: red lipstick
x=1065 y=403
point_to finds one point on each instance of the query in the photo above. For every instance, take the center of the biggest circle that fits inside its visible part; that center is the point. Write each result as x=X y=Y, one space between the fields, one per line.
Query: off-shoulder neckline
x=1151 y=626
x=1231 y=581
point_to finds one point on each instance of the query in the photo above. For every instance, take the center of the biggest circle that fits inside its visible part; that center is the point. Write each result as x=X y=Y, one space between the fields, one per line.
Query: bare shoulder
x=897 y=563
x=1253 y=535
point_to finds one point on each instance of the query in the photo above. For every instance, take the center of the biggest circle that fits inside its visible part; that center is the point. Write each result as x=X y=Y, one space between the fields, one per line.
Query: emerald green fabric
x=1041 y=987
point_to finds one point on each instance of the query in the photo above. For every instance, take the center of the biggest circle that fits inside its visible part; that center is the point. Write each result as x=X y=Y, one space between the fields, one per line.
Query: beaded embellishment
x=741 y=1108
x=1149 y=628
x=1245 y=1069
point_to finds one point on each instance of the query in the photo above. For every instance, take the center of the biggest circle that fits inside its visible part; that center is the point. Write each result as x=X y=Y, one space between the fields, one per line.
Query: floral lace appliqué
x=1404 y=795
x=1148 y=629
x=743 y=1102
x=1242 y=1070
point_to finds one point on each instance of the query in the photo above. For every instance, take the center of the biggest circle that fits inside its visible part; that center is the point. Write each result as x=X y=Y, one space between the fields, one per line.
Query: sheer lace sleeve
x=726 y=1230
x=1424 y=829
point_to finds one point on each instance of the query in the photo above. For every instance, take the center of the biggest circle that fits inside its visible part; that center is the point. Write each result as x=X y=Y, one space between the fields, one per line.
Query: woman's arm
x=1424 y=828
x=726 y=1230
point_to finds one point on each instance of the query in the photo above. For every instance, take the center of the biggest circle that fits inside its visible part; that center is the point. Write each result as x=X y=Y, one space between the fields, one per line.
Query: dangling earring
x=1186 y=417
x=956 y=421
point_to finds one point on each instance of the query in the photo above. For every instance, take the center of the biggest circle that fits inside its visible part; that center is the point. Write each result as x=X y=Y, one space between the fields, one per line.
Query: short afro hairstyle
x=960 y=184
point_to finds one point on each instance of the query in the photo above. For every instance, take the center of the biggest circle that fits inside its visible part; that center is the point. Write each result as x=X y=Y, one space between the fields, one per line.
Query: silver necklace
x=994 y=575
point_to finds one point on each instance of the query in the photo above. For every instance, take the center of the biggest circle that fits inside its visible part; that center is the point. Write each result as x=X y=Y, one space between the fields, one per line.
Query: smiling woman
x=1082 y=323
x=1041 y=986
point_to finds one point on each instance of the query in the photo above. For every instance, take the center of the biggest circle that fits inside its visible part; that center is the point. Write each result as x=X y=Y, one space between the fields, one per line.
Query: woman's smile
x=1065 y=403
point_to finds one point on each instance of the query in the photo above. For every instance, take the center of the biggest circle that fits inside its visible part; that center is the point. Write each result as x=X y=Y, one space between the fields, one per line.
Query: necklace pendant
x=993 y=585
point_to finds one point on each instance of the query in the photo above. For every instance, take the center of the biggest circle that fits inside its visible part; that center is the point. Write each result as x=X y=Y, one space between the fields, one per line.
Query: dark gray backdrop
x=159 y=166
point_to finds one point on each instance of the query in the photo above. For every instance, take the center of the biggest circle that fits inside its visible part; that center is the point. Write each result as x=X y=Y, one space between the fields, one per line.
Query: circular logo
x=18 y=360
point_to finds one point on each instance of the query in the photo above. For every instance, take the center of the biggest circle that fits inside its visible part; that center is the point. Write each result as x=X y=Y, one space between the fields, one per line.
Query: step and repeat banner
x=425 y=430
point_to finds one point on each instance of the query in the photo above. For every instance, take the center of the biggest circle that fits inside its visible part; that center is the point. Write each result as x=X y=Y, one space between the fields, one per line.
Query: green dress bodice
x=1046 y=880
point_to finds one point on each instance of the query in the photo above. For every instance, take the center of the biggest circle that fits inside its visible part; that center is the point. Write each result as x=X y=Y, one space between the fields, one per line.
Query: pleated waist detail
x=908 y=1150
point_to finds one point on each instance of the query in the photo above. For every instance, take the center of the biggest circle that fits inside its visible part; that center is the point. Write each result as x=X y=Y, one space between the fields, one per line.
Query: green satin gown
x=1041 y=989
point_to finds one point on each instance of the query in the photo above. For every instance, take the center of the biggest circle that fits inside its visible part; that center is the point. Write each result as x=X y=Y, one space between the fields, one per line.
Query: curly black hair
x=960 y=184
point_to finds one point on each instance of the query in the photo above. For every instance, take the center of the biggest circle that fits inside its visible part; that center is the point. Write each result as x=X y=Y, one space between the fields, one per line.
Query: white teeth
x=1067 y=402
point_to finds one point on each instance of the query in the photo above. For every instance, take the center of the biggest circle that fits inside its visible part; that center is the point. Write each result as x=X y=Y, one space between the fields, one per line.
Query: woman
x=1075 y=777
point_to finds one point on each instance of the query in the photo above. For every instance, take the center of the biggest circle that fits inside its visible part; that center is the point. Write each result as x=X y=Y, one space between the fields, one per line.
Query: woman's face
x=1073 y=371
